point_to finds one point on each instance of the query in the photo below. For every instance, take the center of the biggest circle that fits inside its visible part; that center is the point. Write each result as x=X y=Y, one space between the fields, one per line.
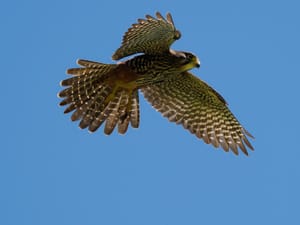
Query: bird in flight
x=98 y=92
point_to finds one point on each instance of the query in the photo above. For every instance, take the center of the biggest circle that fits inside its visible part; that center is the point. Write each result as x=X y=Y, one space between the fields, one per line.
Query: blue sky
x=52 y=172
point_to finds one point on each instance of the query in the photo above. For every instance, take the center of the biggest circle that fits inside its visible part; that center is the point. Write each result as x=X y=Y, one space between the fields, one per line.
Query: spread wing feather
x=189 y=101
x=150 y=36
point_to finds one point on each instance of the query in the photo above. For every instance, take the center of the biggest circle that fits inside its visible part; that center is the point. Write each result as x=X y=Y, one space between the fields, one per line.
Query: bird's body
x=100 y=92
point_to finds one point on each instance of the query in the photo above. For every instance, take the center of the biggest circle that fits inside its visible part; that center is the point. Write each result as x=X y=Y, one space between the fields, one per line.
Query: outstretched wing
x=189 y=101
x=150 y=35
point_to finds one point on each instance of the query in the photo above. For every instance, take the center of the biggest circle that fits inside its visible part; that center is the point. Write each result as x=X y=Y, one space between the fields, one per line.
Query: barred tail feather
x=120 y=111
x=95 y=99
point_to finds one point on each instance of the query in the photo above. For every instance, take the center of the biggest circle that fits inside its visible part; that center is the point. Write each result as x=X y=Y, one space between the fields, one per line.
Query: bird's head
x=185 y=60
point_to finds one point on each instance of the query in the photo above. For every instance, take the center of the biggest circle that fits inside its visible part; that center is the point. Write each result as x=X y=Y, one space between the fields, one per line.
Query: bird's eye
x=188 y=56
x=183 y=59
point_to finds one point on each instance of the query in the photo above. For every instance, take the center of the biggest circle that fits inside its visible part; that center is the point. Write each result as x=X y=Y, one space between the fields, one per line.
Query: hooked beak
x=197 y=63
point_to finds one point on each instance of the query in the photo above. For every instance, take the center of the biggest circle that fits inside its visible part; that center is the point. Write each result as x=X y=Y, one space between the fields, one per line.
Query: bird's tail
x=96 y=98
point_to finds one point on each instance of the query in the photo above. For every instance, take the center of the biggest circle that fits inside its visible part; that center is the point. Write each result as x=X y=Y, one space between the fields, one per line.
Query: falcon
x=100 y=93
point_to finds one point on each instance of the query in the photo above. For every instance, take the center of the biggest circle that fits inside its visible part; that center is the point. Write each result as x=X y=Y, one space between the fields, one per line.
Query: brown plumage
x=152 y=36
x=189 y=101
x=99 y=93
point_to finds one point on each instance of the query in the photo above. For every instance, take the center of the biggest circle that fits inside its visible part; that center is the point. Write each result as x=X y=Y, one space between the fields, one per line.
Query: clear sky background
x=51 y=172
